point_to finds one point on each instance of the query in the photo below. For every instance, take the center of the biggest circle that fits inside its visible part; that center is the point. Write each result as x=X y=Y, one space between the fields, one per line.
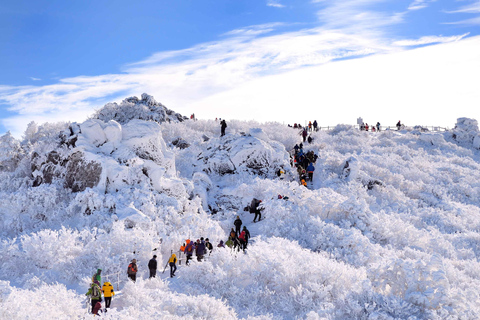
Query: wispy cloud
x=357 y=15
x=429 y=40
x=35 y=79
x=275 y=3
x=471 y=8
x=419 y=4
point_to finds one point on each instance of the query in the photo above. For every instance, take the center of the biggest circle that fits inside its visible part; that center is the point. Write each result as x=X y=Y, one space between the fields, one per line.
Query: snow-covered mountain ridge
x=395 y=235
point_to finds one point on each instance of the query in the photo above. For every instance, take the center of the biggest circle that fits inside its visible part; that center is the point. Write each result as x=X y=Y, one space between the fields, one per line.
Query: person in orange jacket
x=108 y=293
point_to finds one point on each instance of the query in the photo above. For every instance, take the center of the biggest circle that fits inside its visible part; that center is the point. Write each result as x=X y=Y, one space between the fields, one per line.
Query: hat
x=154 y=255
x=206 y=239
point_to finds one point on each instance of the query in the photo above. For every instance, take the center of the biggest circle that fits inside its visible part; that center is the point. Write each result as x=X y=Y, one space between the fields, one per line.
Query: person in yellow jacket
x=108 y=293
x=173 y=267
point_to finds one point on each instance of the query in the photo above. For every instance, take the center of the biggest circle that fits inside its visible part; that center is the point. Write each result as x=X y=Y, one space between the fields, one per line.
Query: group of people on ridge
x=304 y=163
x=238 y=238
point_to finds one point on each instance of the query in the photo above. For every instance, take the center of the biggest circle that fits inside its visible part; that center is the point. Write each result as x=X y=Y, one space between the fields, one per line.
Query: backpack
x=242 y=235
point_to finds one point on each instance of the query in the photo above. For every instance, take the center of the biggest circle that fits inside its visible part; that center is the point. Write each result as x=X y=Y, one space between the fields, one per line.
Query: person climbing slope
x=238 y=225
x=95 y=294
x=132 y=270
x=223 y=125
x=108 y=293
x=173 y=267
x=152 y=266
x=310 y=169
x=96 y=276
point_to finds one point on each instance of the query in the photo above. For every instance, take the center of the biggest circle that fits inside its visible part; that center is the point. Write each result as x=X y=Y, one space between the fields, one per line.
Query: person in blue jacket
x=310 y=169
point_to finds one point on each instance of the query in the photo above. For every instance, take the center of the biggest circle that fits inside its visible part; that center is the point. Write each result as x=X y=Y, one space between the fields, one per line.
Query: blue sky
x=60 y=60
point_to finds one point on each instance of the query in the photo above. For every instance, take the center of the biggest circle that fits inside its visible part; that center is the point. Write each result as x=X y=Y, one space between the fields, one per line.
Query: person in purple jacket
x=200 y=249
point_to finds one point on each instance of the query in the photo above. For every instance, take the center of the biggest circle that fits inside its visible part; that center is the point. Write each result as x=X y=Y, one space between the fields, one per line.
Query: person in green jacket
x=95 y=293
x=97 y=277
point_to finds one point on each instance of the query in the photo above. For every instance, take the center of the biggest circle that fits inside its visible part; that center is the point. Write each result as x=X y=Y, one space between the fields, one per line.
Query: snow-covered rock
x=131 y=108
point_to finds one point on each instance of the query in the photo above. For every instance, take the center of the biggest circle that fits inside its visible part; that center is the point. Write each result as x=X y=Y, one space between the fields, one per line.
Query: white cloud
x=35 y=79
x=471 y=8
x=419 y=4
x=429 y=40
x=274 y=3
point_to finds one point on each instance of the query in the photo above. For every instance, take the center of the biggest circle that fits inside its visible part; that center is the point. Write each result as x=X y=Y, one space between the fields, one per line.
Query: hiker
x=241 y=238
x=221 y=244
x=310 y=170
x=315 y=124
x=208 y=245
x=296 y=147
x=108 y=293
x=152 y=266
x=309 y=139
x=366 y=126
x=173 y=267
x=254 y=209
x=97 y=277
x=132 y=270
x=304 y=183
x=378 y=126
x=200 y=249
x=247 y=236
x=310 y=126
x=399 y=125
x=223 y=126
x=238 y=225
x=189 y=250
x=304 y=134
x=95 y=294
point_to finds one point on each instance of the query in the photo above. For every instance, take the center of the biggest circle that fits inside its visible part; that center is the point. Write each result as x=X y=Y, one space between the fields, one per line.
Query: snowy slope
x=394 y=236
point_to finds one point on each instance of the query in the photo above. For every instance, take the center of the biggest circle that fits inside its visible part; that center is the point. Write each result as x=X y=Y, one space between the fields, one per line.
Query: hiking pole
x=167 y=262
x=165 y=267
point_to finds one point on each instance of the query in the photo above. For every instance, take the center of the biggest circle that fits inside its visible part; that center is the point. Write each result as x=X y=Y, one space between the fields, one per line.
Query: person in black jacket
x=223 y=126
x=254 y=209
x=152 y=265
x=247 y=236
x=238 y=225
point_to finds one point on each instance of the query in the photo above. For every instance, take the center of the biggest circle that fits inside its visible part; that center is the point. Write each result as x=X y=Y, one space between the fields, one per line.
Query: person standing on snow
x=378 y=126
x=238 y=225
x=310 y=169
x=132 y=270
x=254 y=209
x=189 y=251
x=304 y=134
x=399 y=125
x=200 y=249
x=96 y=276
x=108 y=293
x=223 y=125
x=152 y=266
x=315 y=124
x=208 y=245
x=95 y=294
x=173 y=267
x=241 y=238
x=247 y=236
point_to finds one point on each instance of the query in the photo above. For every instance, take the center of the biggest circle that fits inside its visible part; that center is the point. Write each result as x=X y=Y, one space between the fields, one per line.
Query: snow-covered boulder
x=132 y=217
x=131 y=108
x=466 y=130
x=145 y=139
x=254 y=153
